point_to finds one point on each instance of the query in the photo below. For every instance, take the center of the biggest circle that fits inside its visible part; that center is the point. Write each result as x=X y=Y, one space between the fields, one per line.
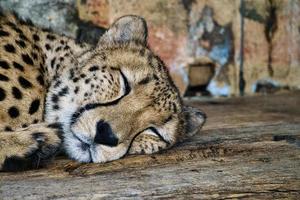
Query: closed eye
x=91 y=106
x=126 y=84
x=145 y=81
x=168 y=119
x=156 y=132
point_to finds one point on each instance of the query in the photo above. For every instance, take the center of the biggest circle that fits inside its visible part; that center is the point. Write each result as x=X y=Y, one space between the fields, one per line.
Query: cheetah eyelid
x=145 y=80
x=154 y=130
x=91 y=106
x=168 y=119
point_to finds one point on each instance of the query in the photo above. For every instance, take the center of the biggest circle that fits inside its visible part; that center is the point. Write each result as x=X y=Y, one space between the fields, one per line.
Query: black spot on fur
x=87 y=80
x=54 y=98
x=24 y=82
x=35 y=121
x=34 y=55
x=40 y=79
x=23 y=37
x=57 y=49
x=36 y=37
x=9 y=48
x=24 y=125
x=72 y=73
x=55 y=107
x=55 y=125
x=174 y=107
x=51 y=37
x=57 y=84
x=76 y=90
x=53 y=62
x=66 y=47
x=63 y=91
x=48 y=47
x=3 y=78
x=14 y=27
x=18 y=66
x=94 y=68
x=2 y=94
x=13 y=112
x=36 y=47
x=8 y=128
x=142 y=52
x=27 y=59
x=16 y=93
x=75 y=79
x=34 y=106
x=4 y=64
x=26 y=22
x=3 y=33
x=21 y=43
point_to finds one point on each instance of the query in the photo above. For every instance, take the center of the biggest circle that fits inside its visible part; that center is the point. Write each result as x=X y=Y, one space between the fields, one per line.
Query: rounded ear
x=125 y=29
x=193 y=119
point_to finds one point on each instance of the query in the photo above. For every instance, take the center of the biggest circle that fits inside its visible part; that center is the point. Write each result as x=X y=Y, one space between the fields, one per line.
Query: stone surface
x=262 y=54
x=200 y=75
x=211 y=34
x=271 y=45
x=58 y=15
x=286 y=44
x=96 y=11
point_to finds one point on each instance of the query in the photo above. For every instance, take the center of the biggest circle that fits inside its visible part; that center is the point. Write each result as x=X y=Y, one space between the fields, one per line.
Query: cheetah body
x=94 y=103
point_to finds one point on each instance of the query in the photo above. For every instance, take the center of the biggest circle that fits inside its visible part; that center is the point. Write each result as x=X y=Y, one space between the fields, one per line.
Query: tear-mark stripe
x=91 y=106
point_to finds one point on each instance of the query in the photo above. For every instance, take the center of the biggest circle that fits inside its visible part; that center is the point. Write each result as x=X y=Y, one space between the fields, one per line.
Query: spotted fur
x=94 y=103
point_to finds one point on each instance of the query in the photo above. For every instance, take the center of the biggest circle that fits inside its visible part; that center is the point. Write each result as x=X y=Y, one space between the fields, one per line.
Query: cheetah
x=94 y=103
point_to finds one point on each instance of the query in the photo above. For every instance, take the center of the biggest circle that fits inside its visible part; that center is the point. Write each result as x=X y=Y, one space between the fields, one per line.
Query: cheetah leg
x=29 y=148
x=147 y=143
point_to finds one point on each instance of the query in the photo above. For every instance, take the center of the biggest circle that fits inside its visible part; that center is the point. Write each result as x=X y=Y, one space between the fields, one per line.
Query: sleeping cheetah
x=94 y=103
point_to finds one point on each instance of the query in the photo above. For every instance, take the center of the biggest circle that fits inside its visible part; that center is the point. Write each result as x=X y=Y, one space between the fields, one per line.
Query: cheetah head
x=125 y=90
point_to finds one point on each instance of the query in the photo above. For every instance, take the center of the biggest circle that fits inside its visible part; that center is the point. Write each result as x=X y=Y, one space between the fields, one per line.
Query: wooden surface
x=249 y=148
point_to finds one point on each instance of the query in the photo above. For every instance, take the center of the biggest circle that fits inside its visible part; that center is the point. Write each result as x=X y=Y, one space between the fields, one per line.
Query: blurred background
x=218 y=48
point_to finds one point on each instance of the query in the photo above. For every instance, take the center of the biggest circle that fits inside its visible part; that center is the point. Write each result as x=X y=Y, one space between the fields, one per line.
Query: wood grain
x=249 y=148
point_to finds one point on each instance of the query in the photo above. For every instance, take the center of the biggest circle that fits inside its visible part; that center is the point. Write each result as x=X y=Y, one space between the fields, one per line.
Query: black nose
x=104 y=134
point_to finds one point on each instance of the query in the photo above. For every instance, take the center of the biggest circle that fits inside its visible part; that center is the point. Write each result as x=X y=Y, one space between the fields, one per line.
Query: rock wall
x=217 y=47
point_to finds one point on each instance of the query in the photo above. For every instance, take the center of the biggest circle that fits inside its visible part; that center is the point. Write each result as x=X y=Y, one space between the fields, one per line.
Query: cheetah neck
x=60 y=53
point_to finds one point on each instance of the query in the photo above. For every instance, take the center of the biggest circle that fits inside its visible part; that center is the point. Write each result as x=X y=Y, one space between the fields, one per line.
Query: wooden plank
x=249 y=148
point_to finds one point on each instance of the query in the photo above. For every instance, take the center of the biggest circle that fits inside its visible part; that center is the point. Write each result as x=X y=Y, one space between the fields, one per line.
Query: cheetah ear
x=193 y=119
x=125 y=29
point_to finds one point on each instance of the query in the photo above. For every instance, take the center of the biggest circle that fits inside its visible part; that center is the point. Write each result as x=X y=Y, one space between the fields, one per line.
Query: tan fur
x=120 y=86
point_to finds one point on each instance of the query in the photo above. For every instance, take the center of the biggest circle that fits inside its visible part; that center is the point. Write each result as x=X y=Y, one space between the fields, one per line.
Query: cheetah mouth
x=83 y=149
x=82 y=146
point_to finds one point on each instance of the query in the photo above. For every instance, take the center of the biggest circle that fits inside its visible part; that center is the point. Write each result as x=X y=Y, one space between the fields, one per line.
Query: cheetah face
x=132 y=94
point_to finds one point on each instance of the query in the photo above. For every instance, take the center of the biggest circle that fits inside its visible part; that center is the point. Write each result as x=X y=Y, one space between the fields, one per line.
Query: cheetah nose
x=105 y=135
